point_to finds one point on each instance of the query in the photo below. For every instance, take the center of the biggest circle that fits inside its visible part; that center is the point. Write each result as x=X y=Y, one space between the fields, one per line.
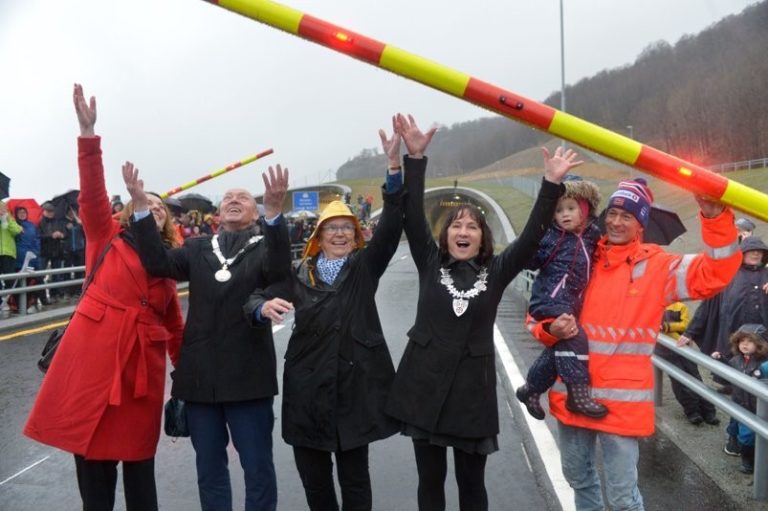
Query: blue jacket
x=28 y=240
x=564 y=261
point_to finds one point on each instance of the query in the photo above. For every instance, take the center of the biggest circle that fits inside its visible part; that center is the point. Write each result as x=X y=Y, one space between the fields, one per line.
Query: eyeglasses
x=334 y=228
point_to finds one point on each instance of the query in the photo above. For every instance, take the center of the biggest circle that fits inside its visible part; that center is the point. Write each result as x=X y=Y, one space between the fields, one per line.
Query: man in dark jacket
x=745 y=300
x=52 y=234
x=74 y=247
x=227 y=369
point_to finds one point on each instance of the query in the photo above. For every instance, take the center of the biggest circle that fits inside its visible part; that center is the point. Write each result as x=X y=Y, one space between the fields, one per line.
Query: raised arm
x=157 y=260
x=389 y=229
x=417 y=228
x=523 y=248
x=278 y=263
x=94 y=201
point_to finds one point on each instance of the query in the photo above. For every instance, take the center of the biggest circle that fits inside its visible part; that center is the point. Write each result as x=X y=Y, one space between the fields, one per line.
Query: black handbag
x=175 y=423
x=52 y=344
x=49 y=350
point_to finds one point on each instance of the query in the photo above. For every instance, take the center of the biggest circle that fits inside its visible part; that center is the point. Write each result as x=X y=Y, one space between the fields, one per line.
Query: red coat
x=103 y=395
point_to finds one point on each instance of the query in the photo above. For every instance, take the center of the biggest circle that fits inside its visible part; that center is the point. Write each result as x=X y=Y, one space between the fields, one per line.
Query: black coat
x=718 y=317
x=223 y=358
x=446 y=381
x=749 y=367
x=50 y=247
x=338 y=369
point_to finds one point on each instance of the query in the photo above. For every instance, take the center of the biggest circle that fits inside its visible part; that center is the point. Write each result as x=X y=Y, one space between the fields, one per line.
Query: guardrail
x=757 y=422
x=21 y=289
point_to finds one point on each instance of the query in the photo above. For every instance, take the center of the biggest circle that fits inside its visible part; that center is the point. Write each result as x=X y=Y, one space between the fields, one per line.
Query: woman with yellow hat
x=444 y=393
x=338 y=369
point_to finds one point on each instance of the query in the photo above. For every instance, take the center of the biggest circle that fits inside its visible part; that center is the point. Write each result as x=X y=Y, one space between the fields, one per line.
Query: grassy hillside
x=606 y=175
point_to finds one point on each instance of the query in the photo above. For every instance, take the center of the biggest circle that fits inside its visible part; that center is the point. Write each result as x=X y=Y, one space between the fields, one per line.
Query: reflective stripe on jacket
x=623 y=308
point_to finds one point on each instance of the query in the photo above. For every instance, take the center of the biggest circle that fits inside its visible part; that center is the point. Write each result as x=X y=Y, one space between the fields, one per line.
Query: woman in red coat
x=102 y=397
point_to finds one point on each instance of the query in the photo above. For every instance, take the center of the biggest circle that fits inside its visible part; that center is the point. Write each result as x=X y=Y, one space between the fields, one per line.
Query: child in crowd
x=749 y=345
x=564 y=259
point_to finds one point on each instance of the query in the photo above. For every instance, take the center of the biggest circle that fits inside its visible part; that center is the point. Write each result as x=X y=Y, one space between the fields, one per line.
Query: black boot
x=580 y=401
x=531 y=401
x=747 y=459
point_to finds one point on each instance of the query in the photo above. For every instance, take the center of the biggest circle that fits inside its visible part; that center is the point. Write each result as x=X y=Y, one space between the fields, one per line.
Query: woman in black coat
x=444 y=392
x=338 y=369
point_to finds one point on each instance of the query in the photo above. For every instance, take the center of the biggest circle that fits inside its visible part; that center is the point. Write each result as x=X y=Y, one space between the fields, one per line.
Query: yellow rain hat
x=333 y=210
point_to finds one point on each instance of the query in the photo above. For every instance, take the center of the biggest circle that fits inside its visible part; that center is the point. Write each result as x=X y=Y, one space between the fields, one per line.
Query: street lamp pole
x=562 y=65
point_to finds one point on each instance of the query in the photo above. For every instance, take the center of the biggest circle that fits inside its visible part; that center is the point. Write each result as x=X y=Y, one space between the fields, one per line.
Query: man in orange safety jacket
x=631 y=284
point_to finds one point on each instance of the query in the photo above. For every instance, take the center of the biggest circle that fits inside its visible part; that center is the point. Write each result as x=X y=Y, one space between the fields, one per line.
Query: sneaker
x=746 y=468
x=695 y=418
x=711 y=419
x=732 y=447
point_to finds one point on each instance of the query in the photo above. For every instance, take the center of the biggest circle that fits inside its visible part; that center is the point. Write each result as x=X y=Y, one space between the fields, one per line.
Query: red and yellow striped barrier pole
x=228 y=168
x=613 y=145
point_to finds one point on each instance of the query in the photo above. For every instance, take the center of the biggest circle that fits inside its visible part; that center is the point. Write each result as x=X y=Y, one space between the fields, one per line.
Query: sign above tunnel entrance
x=306 y=201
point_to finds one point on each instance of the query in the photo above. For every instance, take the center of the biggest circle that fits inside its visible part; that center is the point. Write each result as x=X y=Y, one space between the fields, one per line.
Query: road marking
x=542 y=437
x=30 y=331
x=17 y=474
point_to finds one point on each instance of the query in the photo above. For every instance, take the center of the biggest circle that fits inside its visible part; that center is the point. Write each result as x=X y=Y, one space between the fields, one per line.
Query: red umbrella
x=34 y=211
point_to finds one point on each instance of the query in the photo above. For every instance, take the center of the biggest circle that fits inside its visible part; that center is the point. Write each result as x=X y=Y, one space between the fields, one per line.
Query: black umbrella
x=5 y=186
x=174 y=205
x=664 y=226
x=65 y=201
x=196 y=201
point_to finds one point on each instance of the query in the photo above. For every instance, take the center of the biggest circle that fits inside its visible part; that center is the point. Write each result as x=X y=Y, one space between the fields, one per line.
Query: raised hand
x=86 y=112
x=557 y=166
x=135 y=187
x=391 y=146
x=710 y=208
x=415 y=141
x=276 y=186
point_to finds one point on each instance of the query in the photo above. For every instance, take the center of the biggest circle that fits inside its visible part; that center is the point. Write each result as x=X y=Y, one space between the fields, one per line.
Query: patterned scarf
x=328 y=269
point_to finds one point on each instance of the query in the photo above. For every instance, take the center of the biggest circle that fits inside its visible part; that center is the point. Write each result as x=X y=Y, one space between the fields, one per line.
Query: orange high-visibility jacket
x=623 y=308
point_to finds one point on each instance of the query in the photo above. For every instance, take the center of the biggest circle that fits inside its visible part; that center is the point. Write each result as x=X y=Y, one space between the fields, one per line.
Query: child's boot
x=747 y=459
x=580 y=401
x=531 y=401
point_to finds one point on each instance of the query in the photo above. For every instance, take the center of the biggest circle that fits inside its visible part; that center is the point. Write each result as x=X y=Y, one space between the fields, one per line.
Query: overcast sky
x=185 y=87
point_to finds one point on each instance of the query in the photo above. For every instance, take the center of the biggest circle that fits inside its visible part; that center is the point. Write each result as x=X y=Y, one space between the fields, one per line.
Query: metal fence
x=759 y=163
x=21 y=290
x=757 y=422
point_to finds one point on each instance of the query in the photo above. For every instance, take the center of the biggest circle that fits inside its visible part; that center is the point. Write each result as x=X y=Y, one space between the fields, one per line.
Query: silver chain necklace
x=461 y=298
x=224 y=274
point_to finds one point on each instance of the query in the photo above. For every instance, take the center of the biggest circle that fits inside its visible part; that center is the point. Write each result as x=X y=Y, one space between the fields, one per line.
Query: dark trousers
x=431 y=464
x=250 y=423
x=72 y=259
x=568 y=358
x=55 y=262
x=691 y=402
x=7 y=265
x=316 y=470
x=97 y=480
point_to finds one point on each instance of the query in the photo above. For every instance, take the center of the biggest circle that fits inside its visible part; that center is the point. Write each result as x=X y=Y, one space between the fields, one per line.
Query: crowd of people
x=341 y=389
